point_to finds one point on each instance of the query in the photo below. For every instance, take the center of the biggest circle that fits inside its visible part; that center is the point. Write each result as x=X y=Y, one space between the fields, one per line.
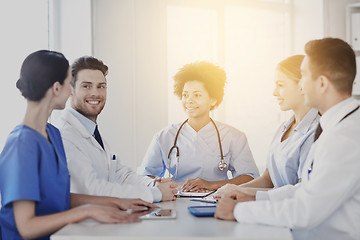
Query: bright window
x=246 y=38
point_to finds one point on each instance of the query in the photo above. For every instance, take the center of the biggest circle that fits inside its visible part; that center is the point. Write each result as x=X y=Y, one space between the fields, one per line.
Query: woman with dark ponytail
x=34 y=179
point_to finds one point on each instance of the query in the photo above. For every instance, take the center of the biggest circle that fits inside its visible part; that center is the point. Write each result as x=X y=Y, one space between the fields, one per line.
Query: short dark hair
x=39 y=71
x=333 y=58
x=86 y=62
x=213 y=77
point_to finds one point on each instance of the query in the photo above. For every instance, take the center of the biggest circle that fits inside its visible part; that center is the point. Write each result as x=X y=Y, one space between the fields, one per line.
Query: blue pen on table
x=204 y=201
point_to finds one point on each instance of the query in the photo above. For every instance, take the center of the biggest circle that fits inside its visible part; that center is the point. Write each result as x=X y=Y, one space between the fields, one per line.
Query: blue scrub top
x=286 y=159
x=199 y=153
x=33 y=168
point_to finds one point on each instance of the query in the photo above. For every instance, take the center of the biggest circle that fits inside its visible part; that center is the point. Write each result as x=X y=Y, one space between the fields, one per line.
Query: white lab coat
x=92 y=170
x=326 y=204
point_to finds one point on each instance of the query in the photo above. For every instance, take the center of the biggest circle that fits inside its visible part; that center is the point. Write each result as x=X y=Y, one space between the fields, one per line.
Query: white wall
x=70 y=25
x=308 y=23
x=23 y=31
x=129 y=36
x=335 y=17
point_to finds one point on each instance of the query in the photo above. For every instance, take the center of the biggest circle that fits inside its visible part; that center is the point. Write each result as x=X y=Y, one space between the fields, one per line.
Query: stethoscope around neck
x=222 y=165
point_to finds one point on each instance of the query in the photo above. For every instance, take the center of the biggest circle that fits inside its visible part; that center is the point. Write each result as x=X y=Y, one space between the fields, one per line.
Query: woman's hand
x=106 y=214
x=120 y=203
x=197 y=185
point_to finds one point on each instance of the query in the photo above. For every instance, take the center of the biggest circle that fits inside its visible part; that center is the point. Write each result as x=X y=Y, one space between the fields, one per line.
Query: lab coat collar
x=334 y=115
x=72 y=120
x=88 y=124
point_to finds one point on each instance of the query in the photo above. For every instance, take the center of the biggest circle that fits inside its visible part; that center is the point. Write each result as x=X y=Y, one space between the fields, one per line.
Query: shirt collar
x=306 y=122
x=288 y=123
x=88 y=124
x=334 y=114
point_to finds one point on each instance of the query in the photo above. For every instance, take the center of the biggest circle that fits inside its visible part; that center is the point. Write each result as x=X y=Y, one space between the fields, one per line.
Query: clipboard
x=193 y=194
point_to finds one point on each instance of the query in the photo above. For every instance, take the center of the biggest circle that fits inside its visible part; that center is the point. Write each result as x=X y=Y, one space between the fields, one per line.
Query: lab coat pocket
x=112 y=168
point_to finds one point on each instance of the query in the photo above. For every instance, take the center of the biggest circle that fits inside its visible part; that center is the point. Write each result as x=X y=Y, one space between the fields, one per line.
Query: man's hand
x=225 y=208
x=226 y=205
x=136 y=204
x=224 y=190
x=120 y=203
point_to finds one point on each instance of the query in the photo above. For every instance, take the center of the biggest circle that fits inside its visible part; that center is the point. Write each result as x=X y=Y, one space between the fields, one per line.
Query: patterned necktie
x=98 y=137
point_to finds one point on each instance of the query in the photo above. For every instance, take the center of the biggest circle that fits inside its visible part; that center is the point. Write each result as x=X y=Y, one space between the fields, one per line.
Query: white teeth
x=94 y=102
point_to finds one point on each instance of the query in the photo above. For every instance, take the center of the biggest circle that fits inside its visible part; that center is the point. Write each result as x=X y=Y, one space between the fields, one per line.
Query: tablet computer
x=202 y=211
x=159 y=213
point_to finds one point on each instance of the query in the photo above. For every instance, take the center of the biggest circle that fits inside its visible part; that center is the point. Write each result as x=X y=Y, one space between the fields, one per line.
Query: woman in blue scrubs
x=34 y=179
x=200 y=151
x=292 y=141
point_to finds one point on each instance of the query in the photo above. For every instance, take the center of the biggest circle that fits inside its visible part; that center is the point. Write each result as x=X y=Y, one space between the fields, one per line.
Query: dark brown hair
x=86 y=62
x=39 y=71
x=333 y=58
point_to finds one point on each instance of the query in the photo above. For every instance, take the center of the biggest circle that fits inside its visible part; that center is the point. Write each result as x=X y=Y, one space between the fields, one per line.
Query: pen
x=204 y=201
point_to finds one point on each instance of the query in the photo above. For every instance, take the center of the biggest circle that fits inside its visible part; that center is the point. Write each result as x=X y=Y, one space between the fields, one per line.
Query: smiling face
x=89 y=95
x=309 y=85
x=287 y=91
x=196 y=101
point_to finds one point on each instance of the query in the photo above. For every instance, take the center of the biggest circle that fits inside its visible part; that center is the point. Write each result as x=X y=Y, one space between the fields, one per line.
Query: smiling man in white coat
x=93 y=168
x=326 y=203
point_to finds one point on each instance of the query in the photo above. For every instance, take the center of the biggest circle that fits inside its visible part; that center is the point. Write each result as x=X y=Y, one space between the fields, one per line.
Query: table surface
x=185 y=226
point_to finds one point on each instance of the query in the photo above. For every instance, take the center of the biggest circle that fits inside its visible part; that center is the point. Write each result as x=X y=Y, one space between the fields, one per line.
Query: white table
x=185 y=226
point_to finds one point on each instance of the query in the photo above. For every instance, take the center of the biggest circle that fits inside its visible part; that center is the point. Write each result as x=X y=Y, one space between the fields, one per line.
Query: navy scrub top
x=33 y=168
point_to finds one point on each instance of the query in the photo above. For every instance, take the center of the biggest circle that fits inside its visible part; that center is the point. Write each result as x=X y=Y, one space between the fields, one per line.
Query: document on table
x=193 y=194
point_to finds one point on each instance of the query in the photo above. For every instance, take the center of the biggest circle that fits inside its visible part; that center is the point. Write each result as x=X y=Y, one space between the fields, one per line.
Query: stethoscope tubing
x=222 y=164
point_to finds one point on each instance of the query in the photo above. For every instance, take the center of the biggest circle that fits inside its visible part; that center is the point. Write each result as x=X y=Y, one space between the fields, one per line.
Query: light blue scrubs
x=32 y=168
x=200 y=153
x=286 y=159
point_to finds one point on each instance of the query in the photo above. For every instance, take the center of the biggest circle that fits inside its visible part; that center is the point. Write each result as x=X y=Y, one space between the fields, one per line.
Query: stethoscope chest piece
x=222 y=165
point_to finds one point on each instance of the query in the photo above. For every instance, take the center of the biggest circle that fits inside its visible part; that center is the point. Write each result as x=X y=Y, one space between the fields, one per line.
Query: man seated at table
x=93 y=168
x=326 y=203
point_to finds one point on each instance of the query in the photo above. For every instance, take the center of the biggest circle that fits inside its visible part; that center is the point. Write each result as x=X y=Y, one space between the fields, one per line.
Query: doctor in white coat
x=200 y=151
x=326 y=203
x=93 y=168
